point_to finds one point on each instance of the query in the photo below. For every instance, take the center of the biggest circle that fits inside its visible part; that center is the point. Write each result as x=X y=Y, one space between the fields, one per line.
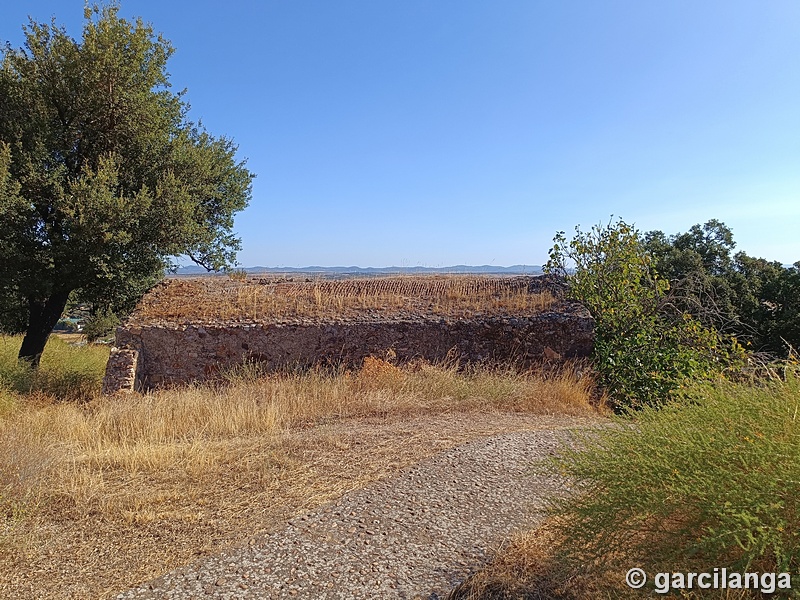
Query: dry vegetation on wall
x=271 y=299
x=97 y=496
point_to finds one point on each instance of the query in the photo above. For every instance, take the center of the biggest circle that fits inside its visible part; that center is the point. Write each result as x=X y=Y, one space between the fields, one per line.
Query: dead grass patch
x=115 y=491
x=528 y=568
x=531 y=566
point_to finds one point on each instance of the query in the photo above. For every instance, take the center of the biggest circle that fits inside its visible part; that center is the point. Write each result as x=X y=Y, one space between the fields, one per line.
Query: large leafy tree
x=752 y=298
x=103 y=179
x=697 y=264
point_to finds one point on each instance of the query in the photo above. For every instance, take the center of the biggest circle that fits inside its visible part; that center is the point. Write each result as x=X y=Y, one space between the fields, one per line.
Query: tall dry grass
x=94 y=493
x=69 y=452
x=214 y=299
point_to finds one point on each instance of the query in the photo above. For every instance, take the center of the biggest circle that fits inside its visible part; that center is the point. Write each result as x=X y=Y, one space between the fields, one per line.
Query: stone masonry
x=158 y=354
x=121 y=371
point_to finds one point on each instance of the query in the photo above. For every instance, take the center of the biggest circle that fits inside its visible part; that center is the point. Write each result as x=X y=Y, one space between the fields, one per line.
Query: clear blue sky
x=433 y=132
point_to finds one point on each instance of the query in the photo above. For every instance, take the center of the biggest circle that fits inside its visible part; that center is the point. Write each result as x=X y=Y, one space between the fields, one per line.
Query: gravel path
x=411 y=537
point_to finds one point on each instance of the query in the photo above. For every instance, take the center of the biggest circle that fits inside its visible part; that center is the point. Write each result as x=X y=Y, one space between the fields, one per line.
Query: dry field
x=98 y=496
x=269 y=299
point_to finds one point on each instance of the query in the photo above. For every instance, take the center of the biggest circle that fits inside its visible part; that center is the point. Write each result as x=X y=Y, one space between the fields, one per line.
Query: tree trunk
x=43 y=317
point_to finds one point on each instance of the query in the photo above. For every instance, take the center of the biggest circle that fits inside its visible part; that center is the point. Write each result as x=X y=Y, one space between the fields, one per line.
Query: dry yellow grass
x=528 y=568
x=147 y=432
x=205 y=299
x=99 y=496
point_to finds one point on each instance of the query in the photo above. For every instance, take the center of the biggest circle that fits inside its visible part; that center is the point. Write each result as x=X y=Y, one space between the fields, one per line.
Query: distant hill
x=480 y=269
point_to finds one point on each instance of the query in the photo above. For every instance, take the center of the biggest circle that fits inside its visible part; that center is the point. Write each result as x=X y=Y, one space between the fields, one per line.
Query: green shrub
x=753 y=298
x=712 y=480
x=66 y=372
x=644 y=350
x=99 y=325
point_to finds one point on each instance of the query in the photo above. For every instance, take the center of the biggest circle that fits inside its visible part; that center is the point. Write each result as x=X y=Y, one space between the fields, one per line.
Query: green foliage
x=710 y=481
x=66 y=372
x=767 y=303
x=754 y=299
x=100 y=325
x=13 y=311
x=102 y=177
x=644 y=350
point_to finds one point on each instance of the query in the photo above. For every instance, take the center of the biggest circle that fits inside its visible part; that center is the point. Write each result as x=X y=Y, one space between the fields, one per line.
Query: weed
x=710 y=481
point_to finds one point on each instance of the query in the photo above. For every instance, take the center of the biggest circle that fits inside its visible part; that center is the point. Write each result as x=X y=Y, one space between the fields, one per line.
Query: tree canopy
x=672 y=309
x=754 y=299
x=103 y=178
x=645 y=350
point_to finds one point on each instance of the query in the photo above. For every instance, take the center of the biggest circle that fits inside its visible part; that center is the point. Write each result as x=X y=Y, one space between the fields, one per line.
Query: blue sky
x=433 y=133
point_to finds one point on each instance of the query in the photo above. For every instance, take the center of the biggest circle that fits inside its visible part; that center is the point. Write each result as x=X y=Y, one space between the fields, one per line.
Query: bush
x=100 y=324
x=712 y=480
x=753 y=298
x=644 y=349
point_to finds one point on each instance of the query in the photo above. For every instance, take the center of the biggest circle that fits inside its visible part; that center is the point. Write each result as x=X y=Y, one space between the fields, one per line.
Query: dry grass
x=205 y=299
x=531 y=567
x=528 y=568
x=99 y=496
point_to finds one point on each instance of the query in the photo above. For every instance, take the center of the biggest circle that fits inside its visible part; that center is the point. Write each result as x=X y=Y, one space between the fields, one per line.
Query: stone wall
x=199 y=351
x=122 y=372
x=169 y=341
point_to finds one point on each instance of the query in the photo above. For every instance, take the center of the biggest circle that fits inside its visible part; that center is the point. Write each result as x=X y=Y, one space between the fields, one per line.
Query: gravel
x=412 y=537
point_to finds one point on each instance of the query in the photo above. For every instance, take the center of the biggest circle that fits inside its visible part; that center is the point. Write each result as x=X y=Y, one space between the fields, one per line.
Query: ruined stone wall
x=122 y=371
x=170 y=355
x=192 y=330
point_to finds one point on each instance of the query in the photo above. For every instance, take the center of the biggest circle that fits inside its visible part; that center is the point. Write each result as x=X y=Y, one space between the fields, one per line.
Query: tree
x=644 y=348
x=768 y=302
x=698 y=264
x=752 y=298
x=103 y=179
